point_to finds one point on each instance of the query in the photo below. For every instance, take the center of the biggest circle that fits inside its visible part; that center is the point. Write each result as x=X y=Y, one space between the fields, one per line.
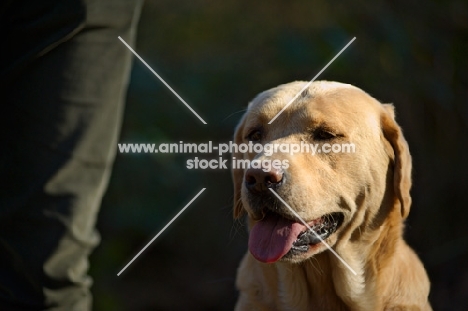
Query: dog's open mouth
x=275 y=236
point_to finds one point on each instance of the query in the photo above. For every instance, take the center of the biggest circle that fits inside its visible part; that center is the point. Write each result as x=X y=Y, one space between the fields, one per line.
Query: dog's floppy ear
x=402 y=158
x=237 y=173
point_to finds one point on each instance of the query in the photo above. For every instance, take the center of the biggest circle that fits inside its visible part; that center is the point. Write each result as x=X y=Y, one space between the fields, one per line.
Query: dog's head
x=355 y=171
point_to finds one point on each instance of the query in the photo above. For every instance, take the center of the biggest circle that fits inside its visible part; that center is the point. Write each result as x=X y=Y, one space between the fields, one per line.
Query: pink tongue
x=272 y=237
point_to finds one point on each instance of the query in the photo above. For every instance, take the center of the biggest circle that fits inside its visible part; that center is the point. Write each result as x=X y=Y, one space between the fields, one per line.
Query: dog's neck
x=323 y=282
x=358 y=288
x=369 y=249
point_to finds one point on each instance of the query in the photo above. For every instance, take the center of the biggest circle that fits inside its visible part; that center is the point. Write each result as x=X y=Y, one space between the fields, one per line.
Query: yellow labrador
x=355 y=202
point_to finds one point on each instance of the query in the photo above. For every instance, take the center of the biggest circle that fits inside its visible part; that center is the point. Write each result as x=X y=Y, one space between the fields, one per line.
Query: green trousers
x=63 y=79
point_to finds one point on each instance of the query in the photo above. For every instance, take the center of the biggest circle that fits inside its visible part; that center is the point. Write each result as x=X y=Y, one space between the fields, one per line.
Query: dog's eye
x=255 y=135
x=322 y=134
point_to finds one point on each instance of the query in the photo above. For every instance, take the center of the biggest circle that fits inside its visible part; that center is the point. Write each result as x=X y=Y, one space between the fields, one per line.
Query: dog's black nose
x=257 y=180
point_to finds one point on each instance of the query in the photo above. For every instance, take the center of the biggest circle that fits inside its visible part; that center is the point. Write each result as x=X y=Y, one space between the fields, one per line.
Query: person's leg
x=60 y=121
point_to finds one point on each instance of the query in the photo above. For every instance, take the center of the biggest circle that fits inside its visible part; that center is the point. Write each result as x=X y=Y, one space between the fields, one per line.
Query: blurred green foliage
x=218 y=55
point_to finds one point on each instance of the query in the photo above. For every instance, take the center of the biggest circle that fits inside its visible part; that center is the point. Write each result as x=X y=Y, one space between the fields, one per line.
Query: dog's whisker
x=316 y=265
x=234 y=113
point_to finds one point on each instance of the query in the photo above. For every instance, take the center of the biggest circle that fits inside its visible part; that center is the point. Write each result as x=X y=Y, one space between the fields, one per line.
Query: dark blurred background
x=218 y=55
